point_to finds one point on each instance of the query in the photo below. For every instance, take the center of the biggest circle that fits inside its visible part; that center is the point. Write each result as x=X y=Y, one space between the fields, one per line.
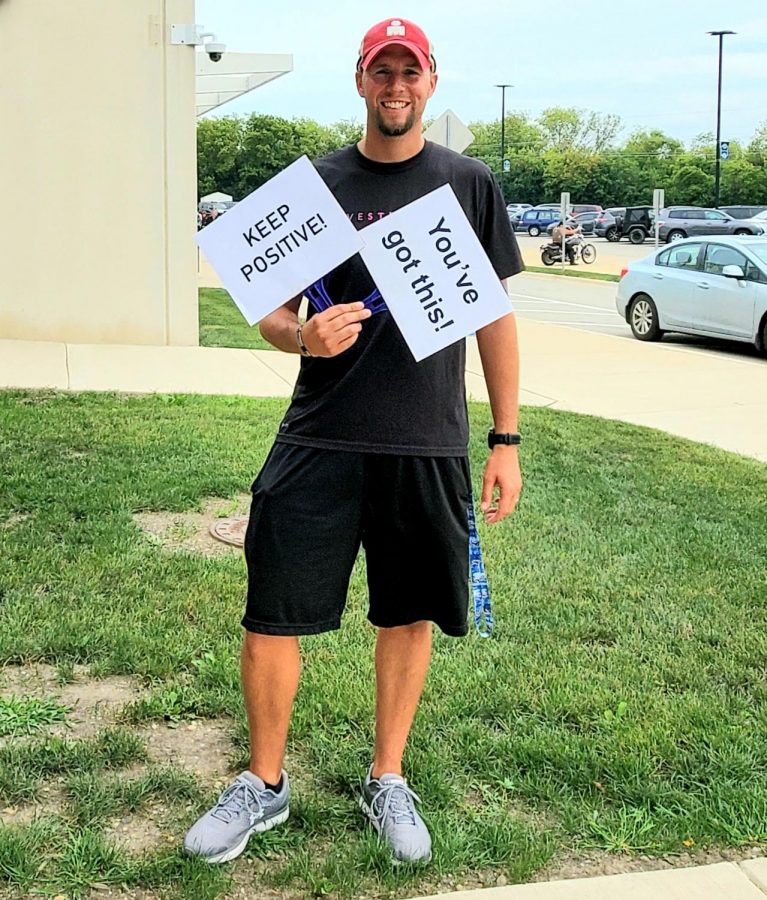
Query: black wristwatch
x=508 y=439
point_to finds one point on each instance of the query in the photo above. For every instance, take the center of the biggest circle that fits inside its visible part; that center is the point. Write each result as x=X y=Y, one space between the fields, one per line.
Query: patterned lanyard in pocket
x=479 y=587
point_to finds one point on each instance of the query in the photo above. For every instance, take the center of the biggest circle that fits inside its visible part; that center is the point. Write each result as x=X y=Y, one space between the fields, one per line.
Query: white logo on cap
x=395 y=29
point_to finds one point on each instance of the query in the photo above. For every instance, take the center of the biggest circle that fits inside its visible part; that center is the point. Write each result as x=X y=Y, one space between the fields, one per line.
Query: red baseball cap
x=396 y=31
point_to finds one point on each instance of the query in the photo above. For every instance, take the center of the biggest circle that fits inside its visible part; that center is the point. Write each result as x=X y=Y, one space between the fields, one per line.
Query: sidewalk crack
x=756 y=884
x=274 y=371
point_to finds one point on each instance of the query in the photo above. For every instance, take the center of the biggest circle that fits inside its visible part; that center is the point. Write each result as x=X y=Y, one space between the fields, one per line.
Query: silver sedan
x=711 y=286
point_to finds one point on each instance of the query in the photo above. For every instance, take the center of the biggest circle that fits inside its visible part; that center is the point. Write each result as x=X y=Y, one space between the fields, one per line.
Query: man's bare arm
x=326 y=334
x=502 y=480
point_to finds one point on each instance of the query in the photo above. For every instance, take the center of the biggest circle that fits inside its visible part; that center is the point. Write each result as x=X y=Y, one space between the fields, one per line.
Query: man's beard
x=395 y=130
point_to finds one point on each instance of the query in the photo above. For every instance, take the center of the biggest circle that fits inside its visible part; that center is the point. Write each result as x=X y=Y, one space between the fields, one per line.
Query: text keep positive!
x=270 y=250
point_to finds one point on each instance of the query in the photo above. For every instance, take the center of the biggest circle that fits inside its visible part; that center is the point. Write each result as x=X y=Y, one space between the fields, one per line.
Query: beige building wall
x=98 y=164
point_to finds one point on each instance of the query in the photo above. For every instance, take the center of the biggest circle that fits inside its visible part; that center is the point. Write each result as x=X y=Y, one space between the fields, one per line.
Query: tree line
x=564 y=149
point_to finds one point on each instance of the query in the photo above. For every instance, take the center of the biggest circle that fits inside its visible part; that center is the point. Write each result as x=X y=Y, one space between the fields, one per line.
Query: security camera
x=215 y=51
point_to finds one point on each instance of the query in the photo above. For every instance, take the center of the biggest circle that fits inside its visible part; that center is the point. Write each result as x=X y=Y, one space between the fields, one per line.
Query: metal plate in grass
x=230 y=530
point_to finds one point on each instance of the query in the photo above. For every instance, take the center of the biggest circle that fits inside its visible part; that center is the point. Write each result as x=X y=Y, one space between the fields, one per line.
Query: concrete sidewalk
x=721 y=881
x=706 y=397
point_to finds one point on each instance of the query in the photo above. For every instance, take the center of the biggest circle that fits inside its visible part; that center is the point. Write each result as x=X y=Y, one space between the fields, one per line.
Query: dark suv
x=534 y=221
x=607 y=223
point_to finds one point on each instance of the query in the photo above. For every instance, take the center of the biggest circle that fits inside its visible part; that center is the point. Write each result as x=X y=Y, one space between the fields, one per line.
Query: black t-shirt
x=374 y=397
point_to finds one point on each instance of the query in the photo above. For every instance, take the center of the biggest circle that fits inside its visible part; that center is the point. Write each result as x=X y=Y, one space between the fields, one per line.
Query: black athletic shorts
x=311 y=511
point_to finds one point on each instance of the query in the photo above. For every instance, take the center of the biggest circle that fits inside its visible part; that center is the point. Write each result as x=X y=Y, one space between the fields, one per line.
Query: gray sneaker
x=244 y=807
x=390 y=805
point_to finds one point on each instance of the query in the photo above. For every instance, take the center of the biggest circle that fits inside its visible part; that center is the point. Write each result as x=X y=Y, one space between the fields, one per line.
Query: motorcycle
x=551 y=253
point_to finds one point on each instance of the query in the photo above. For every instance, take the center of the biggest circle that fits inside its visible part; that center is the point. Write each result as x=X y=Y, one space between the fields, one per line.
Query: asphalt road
x=590 y=305
x=611 y=257
x=574 y=302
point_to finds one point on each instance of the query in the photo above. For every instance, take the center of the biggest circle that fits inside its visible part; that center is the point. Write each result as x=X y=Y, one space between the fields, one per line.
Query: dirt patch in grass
x=107 y=893
x=50 y=803
x=92 y=704
x=144 y=830
x=201 y=747
x=189 y=532
x=14 y=519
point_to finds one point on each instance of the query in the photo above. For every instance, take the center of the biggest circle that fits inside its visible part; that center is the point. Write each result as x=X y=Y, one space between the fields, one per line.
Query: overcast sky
x=651 y=63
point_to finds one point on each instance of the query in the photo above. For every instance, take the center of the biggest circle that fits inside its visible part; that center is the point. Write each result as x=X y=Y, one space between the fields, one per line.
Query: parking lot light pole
x=720 y=35
x=503 y=134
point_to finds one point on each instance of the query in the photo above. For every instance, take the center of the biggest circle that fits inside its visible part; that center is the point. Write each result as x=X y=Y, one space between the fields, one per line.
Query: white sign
x=564 y=203
x=279 y=240
x=430 y=267
x=449 y=131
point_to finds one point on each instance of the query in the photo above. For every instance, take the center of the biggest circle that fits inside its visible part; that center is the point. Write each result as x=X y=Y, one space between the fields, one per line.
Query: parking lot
x=590 y=306
x=611 y=258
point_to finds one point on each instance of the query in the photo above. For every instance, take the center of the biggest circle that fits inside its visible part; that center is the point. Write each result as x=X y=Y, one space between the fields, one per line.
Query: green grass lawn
x=569 y=273
x=223 y=325
x=621 y=703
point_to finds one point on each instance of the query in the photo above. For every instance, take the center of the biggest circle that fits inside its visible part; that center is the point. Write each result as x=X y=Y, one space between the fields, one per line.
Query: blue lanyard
x=479 y=587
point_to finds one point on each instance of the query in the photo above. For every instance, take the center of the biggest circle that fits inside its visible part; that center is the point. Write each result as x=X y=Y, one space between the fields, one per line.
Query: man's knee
x=255 y=645
x=422 y=628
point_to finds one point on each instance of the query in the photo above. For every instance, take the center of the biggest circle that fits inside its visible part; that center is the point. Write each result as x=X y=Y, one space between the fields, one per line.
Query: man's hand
x=334 y=330
x=501 y=473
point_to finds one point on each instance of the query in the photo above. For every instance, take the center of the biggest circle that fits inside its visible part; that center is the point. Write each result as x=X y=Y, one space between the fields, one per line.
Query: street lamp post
x=503 y=134
x=720 y=35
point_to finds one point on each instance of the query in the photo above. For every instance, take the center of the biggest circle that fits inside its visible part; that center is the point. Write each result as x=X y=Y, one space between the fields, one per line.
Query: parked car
x=515 y=211
x=637 y=223
x=577 y=208
x=677 y=222
x=606 y=222
x=585 y=220
x=743 y=212
x=716 y=287
x=534 y=221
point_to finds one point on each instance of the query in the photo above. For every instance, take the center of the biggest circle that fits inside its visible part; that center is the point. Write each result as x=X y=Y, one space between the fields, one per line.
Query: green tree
x=567 y=128
x=524 y=182
x=219 y=143
x=757 y=148
x=348 y=131
x=743 y=182
x=567 y=170
x=690 y=184
x=269 y=144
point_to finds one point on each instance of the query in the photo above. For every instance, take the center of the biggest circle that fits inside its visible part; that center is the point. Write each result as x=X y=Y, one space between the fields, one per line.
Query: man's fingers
x=346 y=342
x=487 y=494
x=342 y=309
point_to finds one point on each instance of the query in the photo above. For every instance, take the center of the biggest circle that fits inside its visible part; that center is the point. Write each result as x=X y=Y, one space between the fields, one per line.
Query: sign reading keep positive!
x=278 y=240
x=433 y=273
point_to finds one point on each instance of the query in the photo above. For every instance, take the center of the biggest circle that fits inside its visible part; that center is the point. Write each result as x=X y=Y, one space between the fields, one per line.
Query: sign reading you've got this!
x=431 y=270
x=278 y=240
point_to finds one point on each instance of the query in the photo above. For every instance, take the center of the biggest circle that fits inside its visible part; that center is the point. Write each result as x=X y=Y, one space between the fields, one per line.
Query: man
x=372 y=450
x=570 y=231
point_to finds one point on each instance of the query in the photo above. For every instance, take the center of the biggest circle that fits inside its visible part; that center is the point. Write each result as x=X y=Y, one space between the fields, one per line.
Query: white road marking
x=563 y=302
x=562 y=312
x=595 y=324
